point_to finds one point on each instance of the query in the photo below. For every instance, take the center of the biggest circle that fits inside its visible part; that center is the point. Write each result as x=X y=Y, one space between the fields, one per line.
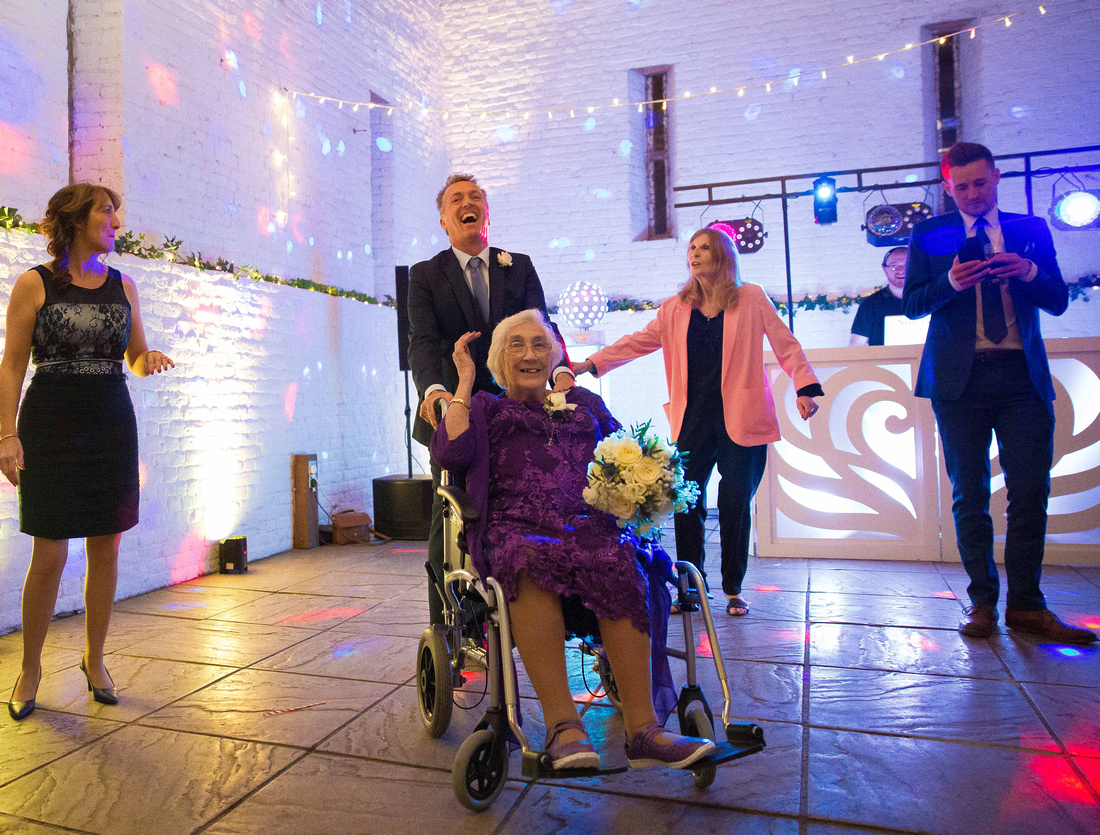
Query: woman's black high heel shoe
x=103 y=695
x=20 y=710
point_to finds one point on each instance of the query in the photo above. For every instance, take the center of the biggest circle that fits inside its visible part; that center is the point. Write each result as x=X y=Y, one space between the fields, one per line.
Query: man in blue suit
x=983 y=275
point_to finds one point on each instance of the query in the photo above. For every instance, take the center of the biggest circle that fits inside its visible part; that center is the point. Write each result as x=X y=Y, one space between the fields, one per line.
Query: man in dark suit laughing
x=983 y=275
x=469 y=286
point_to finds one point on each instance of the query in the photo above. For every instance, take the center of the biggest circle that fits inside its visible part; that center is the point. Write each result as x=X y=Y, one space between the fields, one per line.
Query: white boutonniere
x=556 y=405
x=504 y=259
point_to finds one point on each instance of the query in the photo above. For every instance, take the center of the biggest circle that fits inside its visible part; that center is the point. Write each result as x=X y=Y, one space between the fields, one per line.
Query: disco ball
x=884 y=220
x=582 y=304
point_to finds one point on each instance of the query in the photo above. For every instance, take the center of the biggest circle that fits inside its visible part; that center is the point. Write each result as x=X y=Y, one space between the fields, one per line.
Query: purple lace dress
x=538 y=521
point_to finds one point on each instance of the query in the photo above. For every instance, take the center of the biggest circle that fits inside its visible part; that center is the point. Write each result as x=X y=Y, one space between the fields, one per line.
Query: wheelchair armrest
x=466 y=509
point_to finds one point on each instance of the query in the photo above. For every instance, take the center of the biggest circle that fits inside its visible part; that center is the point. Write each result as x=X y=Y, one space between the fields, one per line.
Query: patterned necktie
x=480 y=287
x=993 y=311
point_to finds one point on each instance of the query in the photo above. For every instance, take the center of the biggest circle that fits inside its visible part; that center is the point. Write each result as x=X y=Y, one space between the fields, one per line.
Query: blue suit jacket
x=949 y=348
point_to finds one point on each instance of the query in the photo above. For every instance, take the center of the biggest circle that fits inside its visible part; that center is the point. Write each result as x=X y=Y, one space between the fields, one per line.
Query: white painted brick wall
x=1031 y=89
x=216 y=434
x=34 y=110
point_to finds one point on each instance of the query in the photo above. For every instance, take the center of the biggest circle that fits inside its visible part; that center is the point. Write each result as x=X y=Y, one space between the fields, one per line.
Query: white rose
x=628 y=452
x=648 y=471
x=606 y=451
x=621 y=505
x=504 y=259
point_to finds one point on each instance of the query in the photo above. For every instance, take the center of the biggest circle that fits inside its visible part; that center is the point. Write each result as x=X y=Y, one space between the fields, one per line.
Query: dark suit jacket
x=949 y=349
x=442 y=308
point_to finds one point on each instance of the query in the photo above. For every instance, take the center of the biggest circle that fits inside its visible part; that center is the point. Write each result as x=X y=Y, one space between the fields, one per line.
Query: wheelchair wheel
x=478 y=776
x=696 y=724
x=607 y=681
x=434 y=687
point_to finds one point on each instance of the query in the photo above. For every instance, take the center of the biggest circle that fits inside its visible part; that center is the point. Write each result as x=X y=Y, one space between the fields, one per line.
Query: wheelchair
x=477 y=633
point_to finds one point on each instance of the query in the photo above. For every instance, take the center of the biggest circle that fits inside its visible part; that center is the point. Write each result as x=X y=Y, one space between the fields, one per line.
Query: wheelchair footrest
x=742 y=740
x=537 y=766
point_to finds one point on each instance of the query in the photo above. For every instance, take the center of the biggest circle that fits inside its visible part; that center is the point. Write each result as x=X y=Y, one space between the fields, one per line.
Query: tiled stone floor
x=879 y=717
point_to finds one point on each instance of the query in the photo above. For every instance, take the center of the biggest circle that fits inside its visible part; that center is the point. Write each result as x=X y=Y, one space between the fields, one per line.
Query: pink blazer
x=747 y=401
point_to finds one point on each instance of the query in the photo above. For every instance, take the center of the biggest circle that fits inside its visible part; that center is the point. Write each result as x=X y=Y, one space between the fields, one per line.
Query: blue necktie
x=480 y=287
x=993 y=311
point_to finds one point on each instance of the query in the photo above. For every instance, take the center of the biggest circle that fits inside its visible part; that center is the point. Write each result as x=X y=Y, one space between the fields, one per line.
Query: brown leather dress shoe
x=1046 y=624
x=979 y=621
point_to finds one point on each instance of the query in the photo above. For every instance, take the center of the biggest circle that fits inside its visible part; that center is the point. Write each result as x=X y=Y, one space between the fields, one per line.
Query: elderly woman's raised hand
x=11 y=458
x=464 y=363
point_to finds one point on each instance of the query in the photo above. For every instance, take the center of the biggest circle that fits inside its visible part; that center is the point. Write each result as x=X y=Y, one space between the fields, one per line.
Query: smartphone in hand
x=971 y=250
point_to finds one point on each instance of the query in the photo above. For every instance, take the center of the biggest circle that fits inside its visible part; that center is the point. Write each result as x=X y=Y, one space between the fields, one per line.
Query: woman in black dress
x=73 y=452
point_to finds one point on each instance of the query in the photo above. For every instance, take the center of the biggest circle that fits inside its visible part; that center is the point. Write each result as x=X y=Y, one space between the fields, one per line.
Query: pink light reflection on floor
x=765 y=588
x=946 y=595
x=921 y=642
x=319 y=615
x=704 y=649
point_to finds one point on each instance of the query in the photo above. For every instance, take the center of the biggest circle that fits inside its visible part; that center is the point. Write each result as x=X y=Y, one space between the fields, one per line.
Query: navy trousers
x=1000 y=400
x=740 y=469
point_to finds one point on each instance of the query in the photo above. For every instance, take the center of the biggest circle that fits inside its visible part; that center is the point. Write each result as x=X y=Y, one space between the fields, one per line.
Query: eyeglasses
x=518 y=347
x=894 y=267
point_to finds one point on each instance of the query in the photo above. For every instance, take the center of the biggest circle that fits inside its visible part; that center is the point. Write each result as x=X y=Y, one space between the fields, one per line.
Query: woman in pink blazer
x=721 y=407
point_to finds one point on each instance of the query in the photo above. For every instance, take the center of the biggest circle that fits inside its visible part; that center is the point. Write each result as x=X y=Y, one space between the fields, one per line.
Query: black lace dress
x=76 y=422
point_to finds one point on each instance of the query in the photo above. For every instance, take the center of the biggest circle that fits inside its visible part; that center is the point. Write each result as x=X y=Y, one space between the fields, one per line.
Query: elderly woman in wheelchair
x=543 y=544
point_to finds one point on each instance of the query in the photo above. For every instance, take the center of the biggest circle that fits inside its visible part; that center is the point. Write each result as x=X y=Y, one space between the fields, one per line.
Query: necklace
x=550 y=434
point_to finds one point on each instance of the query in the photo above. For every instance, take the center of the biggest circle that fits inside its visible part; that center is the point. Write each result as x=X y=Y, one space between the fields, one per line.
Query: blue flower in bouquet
x=639 y=478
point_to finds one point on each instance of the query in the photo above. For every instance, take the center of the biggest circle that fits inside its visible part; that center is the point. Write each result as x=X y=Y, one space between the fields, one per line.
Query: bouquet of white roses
x=639 y=478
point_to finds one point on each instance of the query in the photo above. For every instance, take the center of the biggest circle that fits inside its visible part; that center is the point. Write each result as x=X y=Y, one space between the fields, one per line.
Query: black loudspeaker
x=401 y=295
x=403 y=506
x=233 y=555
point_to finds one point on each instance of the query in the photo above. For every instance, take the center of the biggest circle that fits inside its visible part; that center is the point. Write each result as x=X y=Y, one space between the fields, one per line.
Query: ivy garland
x=130 y=244
x=172 y=250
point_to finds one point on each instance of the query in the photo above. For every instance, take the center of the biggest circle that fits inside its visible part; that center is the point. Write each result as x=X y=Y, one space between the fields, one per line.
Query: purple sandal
x=653 y=745
x=564 y=755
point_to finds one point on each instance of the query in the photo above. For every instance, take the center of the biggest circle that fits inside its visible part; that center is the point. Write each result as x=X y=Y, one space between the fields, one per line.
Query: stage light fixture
x=748 y=233
x=1076 y=210
x=890 y=224
x=824 y=200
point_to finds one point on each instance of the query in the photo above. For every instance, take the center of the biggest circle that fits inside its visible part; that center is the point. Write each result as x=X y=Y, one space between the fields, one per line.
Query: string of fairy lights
x=571 y=111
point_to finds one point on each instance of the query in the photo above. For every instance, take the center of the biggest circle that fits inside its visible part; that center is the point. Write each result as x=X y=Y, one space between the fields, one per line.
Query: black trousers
x=740 y=469
x=1000 y=401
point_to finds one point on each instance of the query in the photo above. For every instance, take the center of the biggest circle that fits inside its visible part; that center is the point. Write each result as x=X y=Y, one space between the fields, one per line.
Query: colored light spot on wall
x=163 y=82
x=601 y=193
x=590 y=123
x=326 y=146
x=271 y=227
x=311 y=240
x=189 y=560
x=897 y=71
x=289 y=246
x=251 y=25
x=243 y=89
x=1022 y=111
x=340 y=147
x=348 y=255
x=296 y=219
x=506 y=133
x=413 y=242
x=433 y=239
x=263 y=218
x=290 y=398
x=910 y=178
x=384 y=145
x=589 y=254
x=305 y=371
x=319 y=366
x=366 y=249
x=340 y=254
x=751 y=112
x=625 y=147
x=320 y=15
x=229 y=60
x=299 y=109
x=324 y=456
